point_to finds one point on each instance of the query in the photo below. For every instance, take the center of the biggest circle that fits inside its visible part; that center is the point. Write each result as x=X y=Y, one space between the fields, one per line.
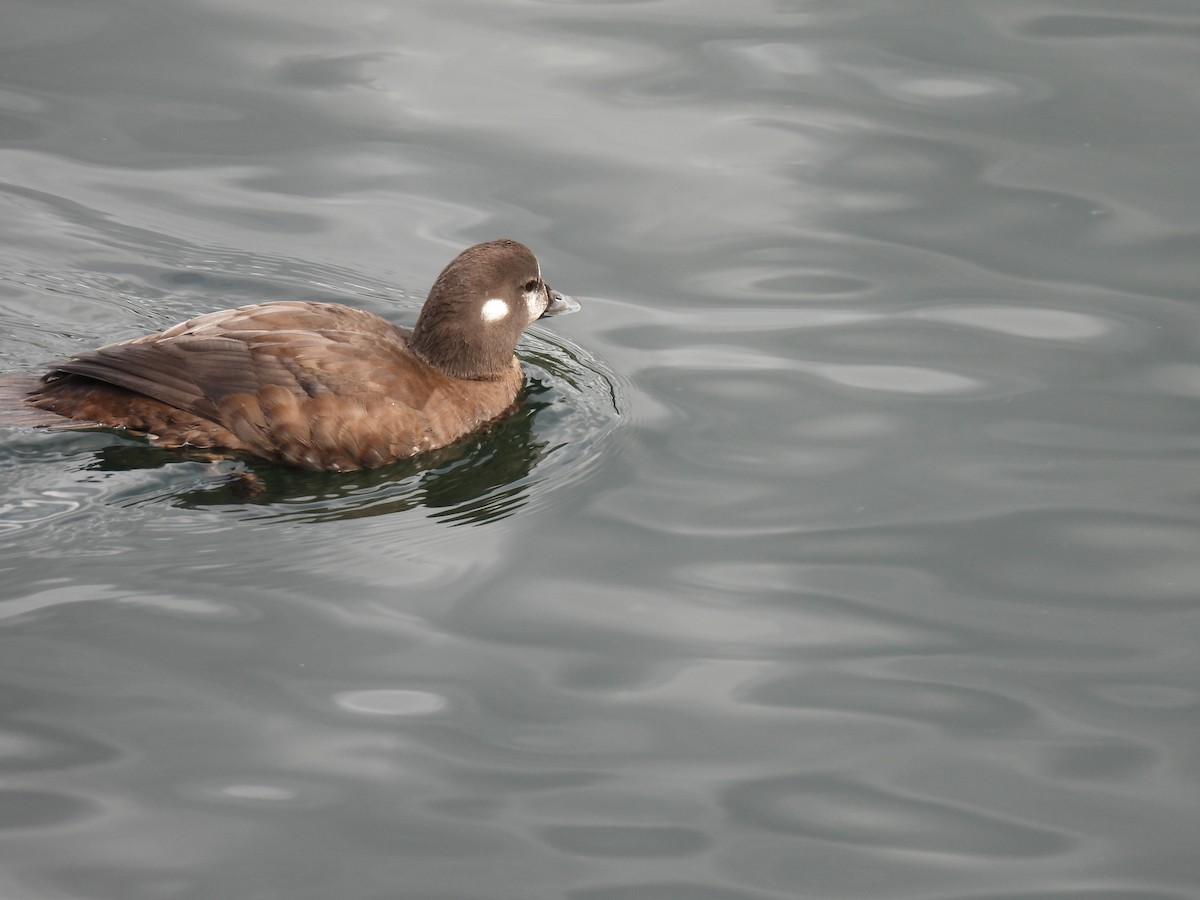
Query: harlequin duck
x=316 y=385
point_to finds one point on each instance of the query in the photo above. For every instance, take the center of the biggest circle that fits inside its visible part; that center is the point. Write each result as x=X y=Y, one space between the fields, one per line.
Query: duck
x=317 y=386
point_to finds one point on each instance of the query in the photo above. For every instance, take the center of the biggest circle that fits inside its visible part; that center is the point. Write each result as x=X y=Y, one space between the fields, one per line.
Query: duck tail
x=14 y=410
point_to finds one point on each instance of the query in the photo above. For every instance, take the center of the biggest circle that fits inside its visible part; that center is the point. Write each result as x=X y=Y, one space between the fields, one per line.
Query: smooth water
x=847 y=545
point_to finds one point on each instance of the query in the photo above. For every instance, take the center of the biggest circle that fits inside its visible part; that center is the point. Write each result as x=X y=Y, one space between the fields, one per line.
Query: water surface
x=847 y=543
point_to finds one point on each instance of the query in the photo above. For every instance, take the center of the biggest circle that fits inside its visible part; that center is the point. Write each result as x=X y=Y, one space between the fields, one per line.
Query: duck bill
x=560 y=304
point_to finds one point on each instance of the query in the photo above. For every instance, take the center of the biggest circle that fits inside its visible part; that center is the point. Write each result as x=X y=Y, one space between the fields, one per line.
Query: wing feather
x=306 y=349
x=316 y=385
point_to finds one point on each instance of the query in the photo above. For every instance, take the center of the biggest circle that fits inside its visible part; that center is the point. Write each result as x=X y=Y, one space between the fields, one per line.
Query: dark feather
x=316 y=385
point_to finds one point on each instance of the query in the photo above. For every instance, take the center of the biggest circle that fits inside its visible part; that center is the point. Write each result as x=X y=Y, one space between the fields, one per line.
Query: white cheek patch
x=493 y=310
x=535 y=302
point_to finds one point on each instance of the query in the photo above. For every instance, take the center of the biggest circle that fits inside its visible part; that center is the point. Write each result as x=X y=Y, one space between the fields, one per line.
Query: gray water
x=847 y=546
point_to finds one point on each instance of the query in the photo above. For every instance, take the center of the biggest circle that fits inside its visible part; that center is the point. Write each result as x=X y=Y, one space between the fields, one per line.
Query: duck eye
x=531 y=285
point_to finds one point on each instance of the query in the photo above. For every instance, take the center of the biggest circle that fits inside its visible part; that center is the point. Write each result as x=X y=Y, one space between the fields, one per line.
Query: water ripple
x=28 y=810
x=625 y=841
x=841 y=811
x=945 y=707
x=1103 y=25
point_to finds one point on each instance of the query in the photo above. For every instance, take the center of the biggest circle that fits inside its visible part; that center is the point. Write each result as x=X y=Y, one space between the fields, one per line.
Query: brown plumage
x=314 y=385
